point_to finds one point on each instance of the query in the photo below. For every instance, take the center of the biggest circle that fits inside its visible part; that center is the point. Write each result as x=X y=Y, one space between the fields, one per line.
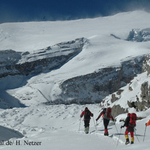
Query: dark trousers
x=106 y=122
x=86 y=123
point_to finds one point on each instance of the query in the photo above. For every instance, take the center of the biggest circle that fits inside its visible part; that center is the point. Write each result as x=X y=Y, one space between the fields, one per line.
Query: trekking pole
x=144 y=134
x=94 y=124
x=136 y=136
x=119 y=137
x=116 y=128
x=79 y=124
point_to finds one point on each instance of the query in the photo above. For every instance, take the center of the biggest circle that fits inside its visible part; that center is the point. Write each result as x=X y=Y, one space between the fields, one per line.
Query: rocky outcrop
x=17 y=63
x=139 y=35
x=136 y=35
x=145 y=92
x=117 y=109
x=145 y=96
x=146 y=65
x=142 y=102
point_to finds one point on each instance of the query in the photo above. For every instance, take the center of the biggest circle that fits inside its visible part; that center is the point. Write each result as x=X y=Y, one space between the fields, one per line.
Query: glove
x=121 y=127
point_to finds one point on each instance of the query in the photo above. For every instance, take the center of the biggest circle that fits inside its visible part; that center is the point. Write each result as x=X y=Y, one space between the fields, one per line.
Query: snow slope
x=58 y=126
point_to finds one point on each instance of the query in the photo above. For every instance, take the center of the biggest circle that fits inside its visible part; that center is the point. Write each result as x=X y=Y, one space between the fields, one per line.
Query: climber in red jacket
x=87 y=116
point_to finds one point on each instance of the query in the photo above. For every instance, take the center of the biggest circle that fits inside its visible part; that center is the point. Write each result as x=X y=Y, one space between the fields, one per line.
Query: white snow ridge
x=29 y=116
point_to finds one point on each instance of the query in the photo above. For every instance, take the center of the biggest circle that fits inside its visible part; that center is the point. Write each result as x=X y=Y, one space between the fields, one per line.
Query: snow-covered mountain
x=79 y=61
x=89 y=76
x=50 y=58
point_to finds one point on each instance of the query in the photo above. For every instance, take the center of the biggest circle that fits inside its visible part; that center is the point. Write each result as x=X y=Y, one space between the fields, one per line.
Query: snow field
x=57 y=126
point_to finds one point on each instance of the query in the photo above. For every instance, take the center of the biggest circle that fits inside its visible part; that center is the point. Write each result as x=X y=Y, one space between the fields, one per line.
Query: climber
x=87 y=116
x=106 y=114
x=130 y=123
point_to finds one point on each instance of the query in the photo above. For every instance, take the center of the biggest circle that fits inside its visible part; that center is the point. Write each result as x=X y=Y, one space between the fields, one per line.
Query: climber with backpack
x=130 y=123
x=87 y=116
x=106 y=114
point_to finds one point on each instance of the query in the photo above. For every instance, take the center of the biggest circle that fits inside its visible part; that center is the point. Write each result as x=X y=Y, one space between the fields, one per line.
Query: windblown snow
x=32 y=124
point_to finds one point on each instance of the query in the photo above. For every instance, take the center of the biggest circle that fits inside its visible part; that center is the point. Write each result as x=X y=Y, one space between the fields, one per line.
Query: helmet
x=86 y=108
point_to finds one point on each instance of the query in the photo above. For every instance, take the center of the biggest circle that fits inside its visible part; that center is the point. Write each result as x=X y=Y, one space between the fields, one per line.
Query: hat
x=86 y=108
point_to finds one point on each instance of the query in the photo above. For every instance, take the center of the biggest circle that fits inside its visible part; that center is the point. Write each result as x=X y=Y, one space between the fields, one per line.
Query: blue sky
x=32 y=10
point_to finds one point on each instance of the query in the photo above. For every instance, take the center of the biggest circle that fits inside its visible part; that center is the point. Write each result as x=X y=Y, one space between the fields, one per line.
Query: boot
x=86 y=130
x=106 y=132
x=127 y=141
x=132 y=140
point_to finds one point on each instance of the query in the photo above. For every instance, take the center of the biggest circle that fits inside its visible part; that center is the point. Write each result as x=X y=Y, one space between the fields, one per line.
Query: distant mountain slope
x=104 y=65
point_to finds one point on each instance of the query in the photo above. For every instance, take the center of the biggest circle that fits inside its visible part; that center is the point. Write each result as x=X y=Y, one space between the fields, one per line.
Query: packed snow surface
x=58 y=126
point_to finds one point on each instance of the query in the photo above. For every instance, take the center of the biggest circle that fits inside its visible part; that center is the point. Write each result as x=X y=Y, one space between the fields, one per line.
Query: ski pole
x=144 y=134
x=79 y=124
x=136 y=136
x=116 y=128
x=119 y=137
x=94 y=124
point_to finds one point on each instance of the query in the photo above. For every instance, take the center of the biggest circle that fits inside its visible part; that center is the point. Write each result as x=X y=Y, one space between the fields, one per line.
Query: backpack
x=107 y=114
x=87 y=115
x=132 y=121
